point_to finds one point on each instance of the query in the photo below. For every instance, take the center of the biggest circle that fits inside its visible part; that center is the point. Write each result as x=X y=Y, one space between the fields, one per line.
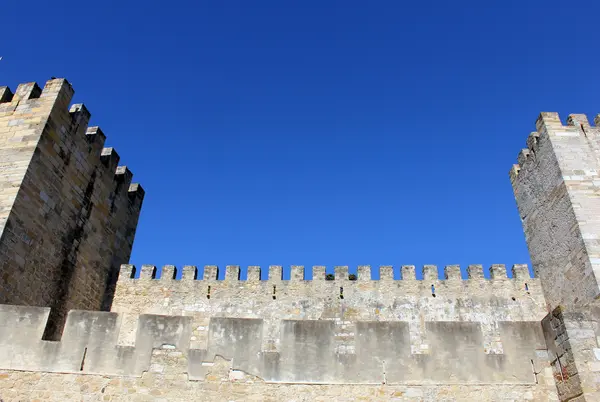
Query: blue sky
x=316 y=132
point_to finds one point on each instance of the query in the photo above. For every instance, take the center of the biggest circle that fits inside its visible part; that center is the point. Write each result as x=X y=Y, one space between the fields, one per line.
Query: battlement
x=62 y=188
x=343 y=297
x=340 y=273
x=549 y=124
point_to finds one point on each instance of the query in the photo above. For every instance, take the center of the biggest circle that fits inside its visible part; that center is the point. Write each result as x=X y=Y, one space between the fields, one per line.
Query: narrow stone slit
x=583 y=129
x=208 y=293
x=433 y=290
x=83 y=359
x=274 y=292
x=341 y=292
x=527 y=287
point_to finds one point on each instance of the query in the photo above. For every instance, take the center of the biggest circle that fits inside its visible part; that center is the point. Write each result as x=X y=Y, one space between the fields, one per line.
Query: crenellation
x=80 y=114
x=168 y=272
x=95 y=135
x=6 y=95
x=386 y=273
x=253 y=273
x=452 y=273
x=27 y=91
x=319 y=273
x=430 y=273
x=475 y=271
x=578 y=121
x=523 y=156
x=189 y=273
x=341 y=273
x=232 y=273
x=211 y=273
x=148 y=272
x=110 y=158
x=363 y=273
x=127 y=271
x=520 y=271
x=532 y=141
x=297 y=273
x=408 y=272
x=498 y=271
x=275 y=272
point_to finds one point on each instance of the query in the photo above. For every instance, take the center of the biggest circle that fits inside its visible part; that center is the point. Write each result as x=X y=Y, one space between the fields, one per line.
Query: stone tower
x=68 y=212
x=557 y=187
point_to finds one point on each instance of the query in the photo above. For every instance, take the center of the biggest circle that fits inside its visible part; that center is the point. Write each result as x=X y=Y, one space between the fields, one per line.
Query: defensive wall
x=408 y=339
x=68 y=211
x=68 y=214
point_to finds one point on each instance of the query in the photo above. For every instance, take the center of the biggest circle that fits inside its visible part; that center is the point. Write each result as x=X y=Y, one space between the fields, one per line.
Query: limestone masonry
x=71 y=331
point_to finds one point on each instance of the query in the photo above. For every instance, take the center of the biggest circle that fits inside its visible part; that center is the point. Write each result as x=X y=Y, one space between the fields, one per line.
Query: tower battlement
x=68 y=210
x=556 y=182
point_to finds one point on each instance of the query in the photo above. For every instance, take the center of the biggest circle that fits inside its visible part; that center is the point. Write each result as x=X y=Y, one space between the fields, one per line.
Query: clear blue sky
x=316 y=132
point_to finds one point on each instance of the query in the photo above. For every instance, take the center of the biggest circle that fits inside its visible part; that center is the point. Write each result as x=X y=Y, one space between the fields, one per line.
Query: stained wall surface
x=161 y=363
x=341 y=301
x=68 y=212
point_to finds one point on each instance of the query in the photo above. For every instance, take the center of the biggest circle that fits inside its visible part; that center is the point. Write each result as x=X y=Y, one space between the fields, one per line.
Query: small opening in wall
x=274 y=292
x=433 y=290
x=83 y=359
x=341 y=292
x=513 y=298
x=527 y=287
x=208 y=293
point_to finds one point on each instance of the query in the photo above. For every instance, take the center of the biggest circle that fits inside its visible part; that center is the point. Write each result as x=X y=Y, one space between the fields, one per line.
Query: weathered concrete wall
x=557 y=188
x=161 y=361
x=67 y=214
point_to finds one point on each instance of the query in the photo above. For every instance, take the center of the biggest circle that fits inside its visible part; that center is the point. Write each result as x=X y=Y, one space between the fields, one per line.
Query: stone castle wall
x=90 y=363
x=341 y=301
x=68 y=212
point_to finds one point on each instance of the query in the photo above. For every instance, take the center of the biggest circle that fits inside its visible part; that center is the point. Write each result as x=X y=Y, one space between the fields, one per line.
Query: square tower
x=557 y=187
x=68 y=212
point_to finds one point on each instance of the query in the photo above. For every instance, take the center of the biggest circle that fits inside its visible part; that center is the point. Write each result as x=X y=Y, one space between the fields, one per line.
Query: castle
x=77 y=323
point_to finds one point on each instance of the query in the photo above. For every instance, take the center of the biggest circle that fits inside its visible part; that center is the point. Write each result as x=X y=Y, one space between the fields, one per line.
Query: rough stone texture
x=161 y=363
x=224 y=384
x=67 y=215
x=341 y=301
x=557 y=188
x=572 y=337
